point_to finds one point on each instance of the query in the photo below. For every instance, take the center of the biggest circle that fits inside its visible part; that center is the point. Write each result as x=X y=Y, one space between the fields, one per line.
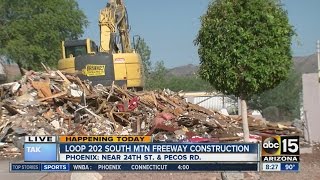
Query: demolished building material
x=54 y=103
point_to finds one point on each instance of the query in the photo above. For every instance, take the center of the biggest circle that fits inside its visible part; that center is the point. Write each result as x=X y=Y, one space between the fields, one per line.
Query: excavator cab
x=81 y=57
x=75 y=48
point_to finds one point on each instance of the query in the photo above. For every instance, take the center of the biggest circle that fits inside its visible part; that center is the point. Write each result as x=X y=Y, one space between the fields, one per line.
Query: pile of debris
x=53 y=103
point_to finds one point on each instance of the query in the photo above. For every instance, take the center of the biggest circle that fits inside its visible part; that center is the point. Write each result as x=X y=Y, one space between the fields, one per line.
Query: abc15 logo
x=280 y=145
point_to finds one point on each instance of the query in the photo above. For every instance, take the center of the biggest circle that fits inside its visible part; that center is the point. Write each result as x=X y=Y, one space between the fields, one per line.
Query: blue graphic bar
x=25 y=167
x=158 y=148
x=55 y=167
x=289 y=166
x=38 y=152
x=65 y=167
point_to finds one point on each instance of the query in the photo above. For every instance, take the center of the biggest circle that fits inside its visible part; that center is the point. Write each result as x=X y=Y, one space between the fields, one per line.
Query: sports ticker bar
x=65 y=167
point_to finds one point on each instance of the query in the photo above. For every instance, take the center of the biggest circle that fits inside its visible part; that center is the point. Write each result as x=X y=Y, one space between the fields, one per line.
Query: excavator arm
x=113 y=21
x=115 y=61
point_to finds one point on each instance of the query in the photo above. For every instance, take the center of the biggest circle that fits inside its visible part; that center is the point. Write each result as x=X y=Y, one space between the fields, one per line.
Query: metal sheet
x=211 y=102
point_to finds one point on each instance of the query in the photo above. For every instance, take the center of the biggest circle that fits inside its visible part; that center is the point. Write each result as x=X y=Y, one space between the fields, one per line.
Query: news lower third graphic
x=284 y=149
x=280 y=145
x=204 y=152
x=140 y=153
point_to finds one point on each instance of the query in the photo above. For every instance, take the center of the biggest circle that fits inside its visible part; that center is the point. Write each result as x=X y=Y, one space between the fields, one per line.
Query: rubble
x=54 y=103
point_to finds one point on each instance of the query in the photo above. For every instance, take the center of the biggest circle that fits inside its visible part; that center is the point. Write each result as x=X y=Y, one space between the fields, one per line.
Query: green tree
x=187 y=83
x=157 y=76
x=145 y=52
x=244 y=48
x=284 y=99
x=31 y=31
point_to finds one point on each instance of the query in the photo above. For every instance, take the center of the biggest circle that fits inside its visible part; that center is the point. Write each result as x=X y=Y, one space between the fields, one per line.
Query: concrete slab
x=311 y=104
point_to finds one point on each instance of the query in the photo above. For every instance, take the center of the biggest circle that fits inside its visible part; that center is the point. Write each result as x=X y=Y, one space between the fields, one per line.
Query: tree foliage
x=31 y=31
x=244 y=46
x=281 y=103
x=145 y=52
x=187 y=84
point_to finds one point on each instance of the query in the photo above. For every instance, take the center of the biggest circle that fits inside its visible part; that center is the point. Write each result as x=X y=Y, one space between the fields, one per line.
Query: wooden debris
x=10 y=109
x=43 y=88
x=53 y=96
x=63 y=77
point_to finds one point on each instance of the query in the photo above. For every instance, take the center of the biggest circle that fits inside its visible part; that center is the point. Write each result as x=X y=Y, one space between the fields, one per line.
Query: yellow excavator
x=114 y=61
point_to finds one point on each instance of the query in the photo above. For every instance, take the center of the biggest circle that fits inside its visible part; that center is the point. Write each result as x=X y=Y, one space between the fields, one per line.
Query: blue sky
x=170 y=26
